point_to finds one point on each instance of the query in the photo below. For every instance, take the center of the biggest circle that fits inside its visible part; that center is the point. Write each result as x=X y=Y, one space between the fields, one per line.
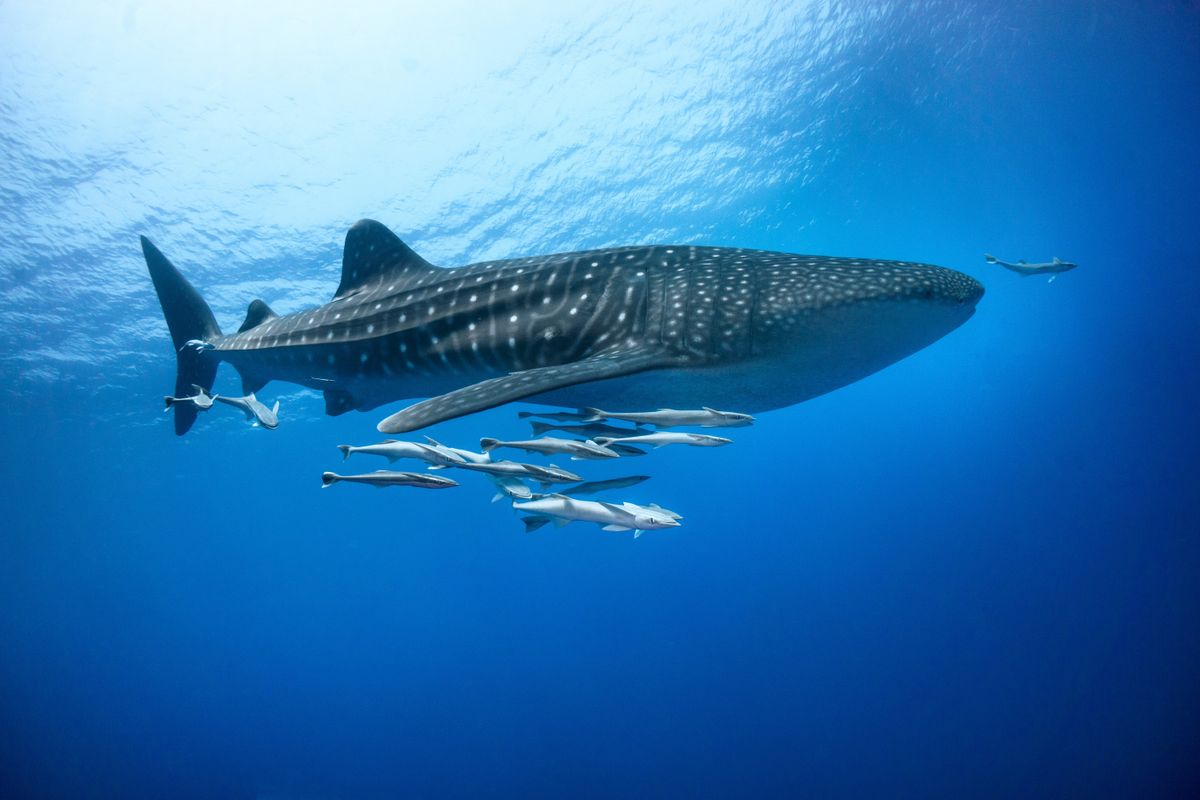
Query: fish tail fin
x=989 y=258
x=603 y=441
x=487 y=444
x=533 y=523
x=168 y=401
x=524 y=414
x=345 y=448
x=540 y=427
x=593 y=415
x=192 y=325
x=329 y=478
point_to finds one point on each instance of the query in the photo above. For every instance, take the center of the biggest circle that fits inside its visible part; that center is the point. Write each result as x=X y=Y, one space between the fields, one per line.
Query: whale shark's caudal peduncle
x=626 y=327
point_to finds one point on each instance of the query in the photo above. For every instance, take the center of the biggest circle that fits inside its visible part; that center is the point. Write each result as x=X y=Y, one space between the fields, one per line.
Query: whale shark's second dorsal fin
x=372 y=255
x=258 y=313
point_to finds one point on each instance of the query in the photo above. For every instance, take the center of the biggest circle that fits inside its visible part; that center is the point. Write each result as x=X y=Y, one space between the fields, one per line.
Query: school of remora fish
x=601 y=441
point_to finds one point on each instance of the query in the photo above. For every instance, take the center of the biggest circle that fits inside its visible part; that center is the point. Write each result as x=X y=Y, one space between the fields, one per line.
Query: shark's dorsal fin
x=505 y=389
x=373 y=254
x=258 y=313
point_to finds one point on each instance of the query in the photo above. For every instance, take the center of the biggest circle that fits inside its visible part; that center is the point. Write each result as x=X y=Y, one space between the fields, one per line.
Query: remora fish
x=673 y=418
x=383 y=477
x=592 y=487
x=510 y=487
x=612 y=517
x=1051 y=268
x=646 y=325
x=587 y=431
x=557 y=416
x=453 y=456
x=394 y=450
x=667 y=437
x=252 y=408
x=586 y=450
x=515 y=469
x=201 y=400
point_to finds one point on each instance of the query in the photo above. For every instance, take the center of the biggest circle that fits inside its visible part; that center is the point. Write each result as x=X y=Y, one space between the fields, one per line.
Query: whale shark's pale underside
x=636 y=327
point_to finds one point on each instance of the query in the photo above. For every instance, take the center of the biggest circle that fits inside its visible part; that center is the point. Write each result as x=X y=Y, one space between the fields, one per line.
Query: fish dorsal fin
x=258 y=313
x=374 y=254
x=710 y=410
x=389 y=441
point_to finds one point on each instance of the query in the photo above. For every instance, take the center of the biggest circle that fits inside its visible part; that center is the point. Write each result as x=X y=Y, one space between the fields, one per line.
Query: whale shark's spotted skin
x=698 y=317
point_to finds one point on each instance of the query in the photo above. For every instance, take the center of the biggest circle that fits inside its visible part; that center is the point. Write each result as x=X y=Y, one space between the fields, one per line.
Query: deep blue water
x=973 y=574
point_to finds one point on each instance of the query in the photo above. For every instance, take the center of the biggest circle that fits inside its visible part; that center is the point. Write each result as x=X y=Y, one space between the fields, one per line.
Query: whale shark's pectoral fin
x=498 y=391
x=338 y=401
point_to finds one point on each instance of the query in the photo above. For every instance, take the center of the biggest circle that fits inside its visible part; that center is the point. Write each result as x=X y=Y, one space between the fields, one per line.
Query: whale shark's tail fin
x=191 y=323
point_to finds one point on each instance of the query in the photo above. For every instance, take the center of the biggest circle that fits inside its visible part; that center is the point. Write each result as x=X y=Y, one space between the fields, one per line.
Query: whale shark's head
x=838 y=320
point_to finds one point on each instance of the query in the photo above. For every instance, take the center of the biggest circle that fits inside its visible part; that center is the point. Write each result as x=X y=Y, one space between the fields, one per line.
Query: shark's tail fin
x=592 y=415
x=603 y=441
x=191 y=323
x=989 y=258
x=345 y=448
x=328 y=479
x=487 y=444
x=541 y=427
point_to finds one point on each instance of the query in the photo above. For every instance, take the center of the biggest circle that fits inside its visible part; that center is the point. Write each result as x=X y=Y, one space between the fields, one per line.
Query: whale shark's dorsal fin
x=374 y=254
x=258 y=313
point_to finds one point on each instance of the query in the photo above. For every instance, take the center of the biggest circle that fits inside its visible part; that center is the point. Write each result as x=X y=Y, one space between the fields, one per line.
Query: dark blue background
x=974 y=574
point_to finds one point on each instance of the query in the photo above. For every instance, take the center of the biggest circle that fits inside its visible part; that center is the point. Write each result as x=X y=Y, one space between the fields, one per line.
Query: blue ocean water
x=974 y=573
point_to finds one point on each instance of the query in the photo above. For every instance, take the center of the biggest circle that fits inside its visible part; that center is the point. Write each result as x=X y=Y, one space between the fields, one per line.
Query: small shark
x=673 y=418
x=201 y=400
x=383 y=477
x=674 y=325
x=585 y=450
x=667 y=437
x=254 y=410
x=1051 y=268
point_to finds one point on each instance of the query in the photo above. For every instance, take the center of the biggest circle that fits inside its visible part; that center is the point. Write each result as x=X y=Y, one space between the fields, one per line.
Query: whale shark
x=637 y=326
